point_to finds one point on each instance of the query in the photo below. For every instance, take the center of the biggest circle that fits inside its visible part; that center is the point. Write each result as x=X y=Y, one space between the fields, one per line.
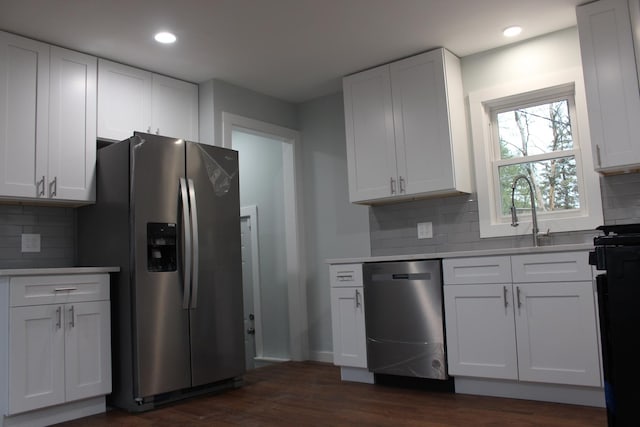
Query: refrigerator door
x=217 y=339
x=161 y=324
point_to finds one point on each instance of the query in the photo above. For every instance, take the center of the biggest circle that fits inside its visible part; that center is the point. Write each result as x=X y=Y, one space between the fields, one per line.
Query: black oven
x=617 y=258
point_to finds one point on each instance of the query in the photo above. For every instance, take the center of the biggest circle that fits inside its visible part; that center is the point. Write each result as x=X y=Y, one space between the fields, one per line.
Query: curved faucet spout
x=534 y=216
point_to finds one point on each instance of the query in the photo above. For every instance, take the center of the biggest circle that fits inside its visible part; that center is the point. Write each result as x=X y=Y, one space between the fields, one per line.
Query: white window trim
x=492 y=224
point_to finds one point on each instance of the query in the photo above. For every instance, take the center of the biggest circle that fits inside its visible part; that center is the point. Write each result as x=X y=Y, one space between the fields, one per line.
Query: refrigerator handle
x=186 y=223
x=194 y=225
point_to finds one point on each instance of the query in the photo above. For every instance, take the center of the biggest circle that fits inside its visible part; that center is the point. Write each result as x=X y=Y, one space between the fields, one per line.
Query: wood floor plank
x=310 y=394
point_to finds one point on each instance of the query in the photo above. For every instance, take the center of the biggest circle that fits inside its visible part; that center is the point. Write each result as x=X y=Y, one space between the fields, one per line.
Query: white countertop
x=54 y=271
x=461 y=254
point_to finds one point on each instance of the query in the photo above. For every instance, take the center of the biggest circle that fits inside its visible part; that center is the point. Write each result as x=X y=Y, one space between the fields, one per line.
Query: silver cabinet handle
x=72 y=321
x=149 y=129
x=194 y=227
x=69 y=289
x=598 y=155
x=518 y=295
x=53 y=187
x=40 y=187
x=504 y=291
x=402 y=190
x=393 y=186
x=58 y=317
x=344 y=276
x=358 y=303
x=186 y=222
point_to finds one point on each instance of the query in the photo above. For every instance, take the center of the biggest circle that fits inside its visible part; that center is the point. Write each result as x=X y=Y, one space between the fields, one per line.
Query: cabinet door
x=24 y=103
x=611 y=83
x=36 y=357
x=371 y=153
x=349 y=337
x=480 y=331
x=72 y=126
x=556 y=333
x=124 y=100
x=421 y=123
x=88 y=349
x=174 y=108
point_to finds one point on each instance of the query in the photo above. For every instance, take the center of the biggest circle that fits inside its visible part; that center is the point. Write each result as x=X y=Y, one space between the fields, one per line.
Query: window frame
x=484 y=105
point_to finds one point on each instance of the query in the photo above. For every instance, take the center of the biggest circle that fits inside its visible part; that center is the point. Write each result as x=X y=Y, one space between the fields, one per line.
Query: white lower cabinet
x=537 y=332
x=59 y=343
x=347 y=319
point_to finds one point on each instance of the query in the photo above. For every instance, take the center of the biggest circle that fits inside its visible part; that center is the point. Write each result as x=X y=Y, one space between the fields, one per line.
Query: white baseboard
x=575 y=395
x=56 y=414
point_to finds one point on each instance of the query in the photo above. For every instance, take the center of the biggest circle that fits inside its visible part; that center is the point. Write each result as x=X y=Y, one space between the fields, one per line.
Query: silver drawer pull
x=65 y=289
x=344 y=277
x=59 y=317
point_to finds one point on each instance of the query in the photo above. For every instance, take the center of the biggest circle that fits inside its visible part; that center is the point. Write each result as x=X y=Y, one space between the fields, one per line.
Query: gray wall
x=335 y=228
x=261 y=184
x=56 y=227
x=216 y=96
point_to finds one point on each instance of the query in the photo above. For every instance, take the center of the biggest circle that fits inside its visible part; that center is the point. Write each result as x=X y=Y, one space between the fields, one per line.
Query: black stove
x=617 y=254
x=618 y=235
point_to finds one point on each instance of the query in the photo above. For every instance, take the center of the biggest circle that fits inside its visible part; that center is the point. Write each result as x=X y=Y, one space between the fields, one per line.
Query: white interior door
x=248 y=291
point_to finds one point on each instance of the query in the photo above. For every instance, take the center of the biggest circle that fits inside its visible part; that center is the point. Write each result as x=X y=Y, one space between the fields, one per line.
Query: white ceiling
x=294 y=50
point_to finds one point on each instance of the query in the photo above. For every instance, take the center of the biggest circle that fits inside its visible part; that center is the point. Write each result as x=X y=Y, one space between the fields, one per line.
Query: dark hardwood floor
x=311 y=394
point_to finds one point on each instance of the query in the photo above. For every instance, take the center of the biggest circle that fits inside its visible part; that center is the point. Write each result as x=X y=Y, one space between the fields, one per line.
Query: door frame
x=294 y=235
x=251 y=212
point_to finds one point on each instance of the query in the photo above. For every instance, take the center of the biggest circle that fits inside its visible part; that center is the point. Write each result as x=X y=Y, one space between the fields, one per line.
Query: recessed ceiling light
x=165 y=37
x=512 y=31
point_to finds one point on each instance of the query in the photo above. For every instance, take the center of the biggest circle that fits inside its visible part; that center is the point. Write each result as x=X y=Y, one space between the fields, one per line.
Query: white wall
x=261 y=184
x=335 y=228
x=531 y=58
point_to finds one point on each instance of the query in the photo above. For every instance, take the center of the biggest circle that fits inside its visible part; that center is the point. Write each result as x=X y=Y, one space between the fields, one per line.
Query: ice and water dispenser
x=162 y=247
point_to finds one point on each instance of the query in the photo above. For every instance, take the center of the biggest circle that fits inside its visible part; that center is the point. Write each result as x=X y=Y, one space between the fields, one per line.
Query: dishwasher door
x=403 y=318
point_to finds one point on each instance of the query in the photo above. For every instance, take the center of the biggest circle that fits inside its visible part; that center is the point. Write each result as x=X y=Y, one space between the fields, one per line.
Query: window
x=538 y=130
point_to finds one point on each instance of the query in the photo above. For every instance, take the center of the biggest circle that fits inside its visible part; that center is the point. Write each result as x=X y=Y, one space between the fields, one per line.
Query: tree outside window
x=536 y=140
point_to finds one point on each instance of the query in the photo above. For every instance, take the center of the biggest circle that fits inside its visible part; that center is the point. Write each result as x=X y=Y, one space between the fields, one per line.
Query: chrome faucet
x=534 y=216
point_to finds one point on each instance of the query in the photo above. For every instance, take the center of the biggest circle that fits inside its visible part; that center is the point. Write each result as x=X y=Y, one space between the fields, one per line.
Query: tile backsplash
x=56 y=226
x=621 y=198
x=456 y=222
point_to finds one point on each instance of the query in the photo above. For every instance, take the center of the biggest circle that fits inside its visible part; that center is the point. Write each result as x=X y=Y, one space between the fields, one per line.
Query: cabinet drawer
x=36 y=290
x=551 y=267
x=476 y=270
x=345 y=275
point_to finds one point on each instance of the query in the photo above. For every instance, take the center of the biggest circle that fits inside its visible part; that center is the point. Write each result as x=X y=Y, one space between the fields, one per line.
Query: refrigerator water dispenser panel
x=161 y=247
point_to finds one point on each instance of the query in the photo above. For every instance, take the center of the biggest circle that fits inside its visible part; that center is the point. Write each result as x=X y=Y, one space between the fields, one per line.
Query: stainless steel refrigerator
x=168 y=213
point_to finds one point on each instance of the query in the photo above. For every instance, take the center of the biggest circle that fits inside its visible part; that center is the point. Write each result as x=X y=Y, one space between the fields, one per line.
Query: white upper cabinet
x=72 y=125
x=130 y=99
x=406 y=129
x=611 y=82
x=47 y=122
x=24 y=113
x=174 y=108
x=124 y=100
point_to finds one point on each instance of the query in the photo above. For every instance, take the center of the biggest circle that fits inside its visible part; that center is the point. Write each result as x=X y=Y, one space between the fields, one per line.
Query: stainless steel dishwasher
x=403 y=318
